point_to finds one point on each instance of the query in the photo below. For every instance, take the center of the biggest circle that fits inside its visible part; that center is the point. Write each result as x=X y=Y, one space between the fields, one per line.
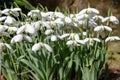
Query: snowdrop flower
x=3 y=18
x=102 y=28
x=28 y=38
x=48 y=31
x=90 y=41
x=20 y=37
x=10 y=20
x=98 y=17
x=28 y=28
x=17 y=38
x=68 y=20
x=112 y=38
x=89 y=11
x=58 y=15
x=33 y=13
x=71 y=36
x=14 y=11
x=2 y=28
x=111 y=19
x=72 y=43
x=36 y=25
x=40 y=45
x=12 y=29
x=5 y=11
x=2 y=45
x=53 y=38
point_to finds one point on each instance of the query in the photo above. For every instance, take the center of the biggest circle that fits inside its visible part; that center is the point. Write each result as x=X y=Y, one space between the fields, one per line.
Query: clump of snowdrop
x=77 y=36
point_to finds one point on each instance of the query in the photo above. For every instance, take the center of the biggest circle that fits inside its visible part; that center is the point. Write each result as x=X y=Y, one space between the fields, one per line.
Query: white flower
x=12 y=29
x=112 y=38
x=10 y=20
x=114 y=19
x=21 y=29
x=34 y=13
x=111 y=19
x=90 y=41
x=68 y=20
x=3 y=18
x=89 y=11
x=28 y=28
x=36 y=47
x=53 y=38
x=58 y=15
x=4 y=45
x=48 y=31
x=28 y=38
x=102 y=28
x=2 y=28
x=72 y=43
x=17 y=38
x=48 y=47
x=40 y=45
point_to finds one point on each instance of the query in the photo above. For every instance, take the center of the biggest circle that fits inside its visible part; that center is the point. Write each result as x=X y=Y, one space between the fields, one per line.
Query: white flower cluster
x=55 y=26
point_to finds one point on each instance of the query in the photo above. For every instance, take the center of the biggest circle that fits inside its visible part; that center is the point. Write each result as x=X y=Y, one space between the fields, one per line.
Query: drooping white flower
x=112 y=38
x=21 y=29
x=112 y=19
x=4 y=45
x=36 y=47
x=28 y=28
x=48 y=47
x=72 y=43
x=10 y=20
x=53 y=38
x=2 y=28
x=48 y=31
x=3 y=18
x=28 y=38
x=89 y=11
x=102 y=28
x=90 y=41
x=68 y=20
x=13 y=11
x=40 y=45
x=12 y=29
x=33 y=13
x=58 y=15
x=17 y=38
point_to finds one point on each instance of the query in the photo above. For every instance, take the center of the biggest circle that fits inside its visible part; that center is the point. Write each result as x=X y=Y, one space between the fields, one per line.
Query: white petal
x=30 y=29
x=68 y=20
x=28 y=38
x=49 y=31
x=53 y=38
x=3 y=18
x=36 y=47
x=21 y=29
x=76 y=37
x=64 y=35
x=70 y=42
x=98 y=28
x=108 y=28
x=10 y=20
x=48 y=47
x=96 y=39
x=8 y=46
